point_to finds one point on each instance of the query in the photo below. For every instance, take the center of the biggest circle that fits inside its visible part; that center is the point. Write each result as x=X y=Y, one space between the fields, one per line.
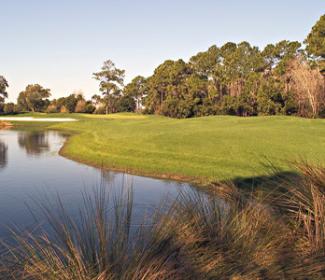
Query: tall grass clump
x=236 y=238
x=227 y=233
x=302 y=204
x=98 y=243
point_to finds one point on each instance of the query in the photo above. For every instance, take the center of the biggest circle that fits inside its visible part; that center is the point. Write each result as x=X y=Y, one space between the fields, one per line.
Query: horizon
x=59 y=45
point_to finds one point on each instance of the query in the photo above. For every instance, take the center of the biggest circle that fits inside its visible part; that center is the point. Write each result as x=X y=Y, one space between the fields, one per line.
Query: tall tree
x=3 y=88
x=164 y=82
x=204 y=63
x=279 y=55
x=308 y=86
x=34 y=98
x=316 y=42
x=71 y=101
x=137 y=90
x=111 y=82
x=96 y=100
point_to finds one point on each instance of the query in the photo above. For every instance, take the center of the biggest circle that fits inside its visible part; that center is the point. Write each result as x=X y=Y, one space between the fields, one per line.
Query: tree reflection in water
x=3 y=155
x=34 y=142
x=107 y=176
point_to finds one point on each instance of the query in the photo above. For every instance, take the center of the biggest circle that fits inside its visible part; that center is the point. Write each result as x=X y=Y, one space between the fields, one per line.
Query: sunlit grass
x=121 y=116
x=198 y=149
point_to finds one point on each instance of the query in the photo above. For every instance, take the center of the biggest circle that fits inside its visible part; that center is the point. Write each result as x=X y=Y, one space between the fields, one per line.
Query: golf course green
x=198 y=149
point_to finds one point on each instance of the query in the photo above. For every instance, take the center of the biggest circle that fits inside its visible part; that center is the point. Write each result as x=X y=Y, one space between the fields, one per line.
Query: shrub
x=90 y=108
x=100 y=246
x=125 y=104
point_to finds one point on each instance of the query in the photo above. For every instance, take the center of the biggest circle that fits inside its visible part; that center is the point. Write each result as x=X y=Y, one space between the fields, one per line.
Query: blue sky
x=59 y=44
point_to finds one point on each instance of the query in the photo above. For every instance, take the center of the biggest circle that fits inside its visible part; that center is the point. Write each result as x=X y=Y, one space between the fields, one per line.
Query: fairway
x=198 y=149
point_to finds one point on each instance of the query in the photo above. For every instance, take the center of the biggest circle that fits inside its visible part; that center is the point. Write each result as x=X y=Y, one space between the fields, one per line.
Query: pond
x=31 y=168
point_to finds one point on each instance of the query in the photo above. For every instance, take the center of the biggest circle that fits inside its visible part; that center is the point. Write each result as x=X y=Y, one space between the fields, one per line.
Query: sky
x=59 y=44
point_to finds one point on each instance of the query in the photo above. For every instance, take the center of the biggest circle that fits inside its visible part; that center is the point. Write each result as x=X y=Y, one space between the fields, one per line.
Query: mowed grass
x=198 y=149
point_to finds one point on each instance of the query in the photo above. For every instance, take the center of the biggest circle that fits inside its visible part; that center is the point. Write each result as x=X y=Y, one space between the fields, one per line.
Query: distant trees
x=166 y=88
x=52 y=108
x=114 y=98
x=110 y=84
x=34 y=98
x=9 y=108
x=240 y=79
x=98 y=103
x=136 y=90
x=3 y=89
x=80 y=106
x=84 y=106
x=219 y=81
x=73 y=103
x=316 y=43
x=90 y=108
x=308 y=86
x=125 y=104
x=236 y=78
x=3 y=92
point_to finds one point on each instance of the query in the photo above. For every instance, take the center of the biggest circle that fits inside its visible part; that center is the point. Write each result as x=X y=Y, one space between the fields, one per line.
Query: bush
x=125 y=104
x=177 y=108
x=90 y=108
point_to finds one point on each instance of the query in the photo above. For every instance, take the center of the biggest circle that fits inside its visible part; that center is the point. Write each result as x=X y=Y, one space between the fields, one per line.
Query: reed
x=224 y=234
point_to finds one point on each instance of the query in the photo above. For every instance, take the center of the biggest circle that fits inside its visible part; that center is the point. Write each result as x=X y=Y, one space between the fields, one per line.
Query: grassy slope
x=220 y=147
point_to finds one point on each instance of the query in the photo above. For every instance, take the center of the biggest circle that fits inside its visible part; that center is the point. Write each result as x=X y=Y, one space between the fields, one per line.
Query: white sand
x=31 y=119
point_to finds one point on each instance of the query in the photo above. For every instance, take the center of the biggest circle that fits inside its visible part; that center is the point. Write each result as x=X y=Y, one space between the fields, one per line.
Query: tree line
x=285 y=78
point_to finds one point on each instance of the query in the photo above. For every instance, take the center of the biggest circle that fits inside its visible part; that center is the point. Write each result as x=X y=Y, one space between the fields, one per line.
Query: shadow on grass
x=265 y=182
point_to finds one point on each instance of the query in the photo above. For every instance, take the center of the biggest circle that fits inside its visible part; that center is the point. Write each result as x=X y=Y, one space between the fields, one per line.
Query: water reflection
x=34 y=143
x=3 y=155
x=33 y=167
x=107 y=176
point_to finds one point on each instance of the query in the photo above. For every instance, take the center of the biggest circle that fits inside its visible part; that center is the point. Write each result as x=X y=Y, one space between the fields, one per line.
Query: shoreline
x=171 y=149
x=136 y=172
x=5 y=125
x=32 y=119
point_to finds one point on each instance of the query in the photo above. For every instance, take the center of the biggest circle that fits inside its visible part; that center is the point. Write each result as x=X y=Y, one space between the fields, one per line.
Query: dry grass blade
x=226 y=234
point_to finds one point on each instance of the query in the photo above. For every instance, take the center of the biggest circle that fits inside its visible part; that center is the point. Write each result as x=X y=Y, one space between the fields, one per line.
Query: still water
x=31 y=168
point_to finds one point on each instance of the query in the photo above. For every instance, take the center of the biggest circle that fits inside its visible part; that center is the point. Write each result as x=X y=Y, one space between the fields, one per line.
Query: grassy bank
x=201 y=149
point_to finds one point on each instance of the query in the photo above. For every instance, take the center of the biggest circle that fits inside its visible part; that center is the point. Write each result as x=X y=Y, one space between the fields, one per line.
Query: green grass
x=198 y=149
